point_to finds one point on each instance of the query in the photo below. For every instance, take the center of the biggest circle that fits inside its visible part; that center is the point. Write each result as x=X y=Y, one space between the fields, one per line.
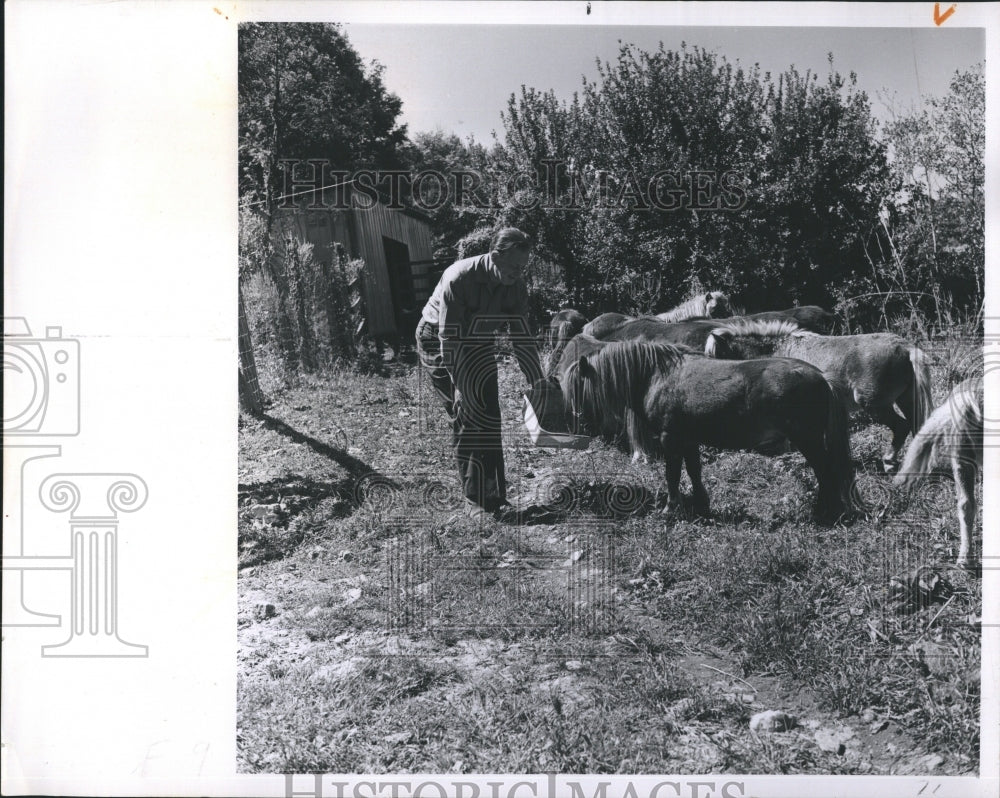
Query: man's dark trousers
x=475 y=414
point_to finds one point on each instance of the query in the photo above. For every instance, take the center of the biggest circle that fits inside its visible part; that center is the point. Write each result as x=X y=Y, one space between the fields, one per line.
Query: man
x=456 y=343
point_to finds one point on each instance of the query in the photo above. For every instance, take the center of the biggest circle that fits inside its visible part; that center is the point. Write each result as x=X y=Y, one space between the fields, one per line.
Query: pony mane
x=694 y=307
x=624 y=370
x=569 y=379
x=771 y=328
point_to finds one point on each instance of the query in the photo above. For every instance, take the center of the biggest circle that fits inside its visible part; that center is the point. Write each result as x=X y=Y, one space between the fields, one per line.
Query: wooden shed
x=395 y=245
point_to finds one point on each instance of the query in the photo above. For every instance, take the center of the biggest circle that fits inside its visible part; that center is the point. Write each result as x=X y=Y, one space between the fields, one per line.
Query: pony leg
x=692 y=461
x=674 y=463
x=900 y=428
x=828 y=501
x=965 y=490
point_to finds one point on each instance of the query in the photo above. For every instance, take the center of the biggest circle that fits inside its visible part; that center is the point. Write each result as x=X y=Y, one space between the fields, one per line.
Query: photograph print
x=611 y=399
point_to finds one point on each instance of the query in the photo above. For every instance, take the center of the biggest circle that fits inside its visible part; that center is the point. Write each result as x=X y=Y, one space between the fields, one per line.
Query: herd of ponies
x=662 y=386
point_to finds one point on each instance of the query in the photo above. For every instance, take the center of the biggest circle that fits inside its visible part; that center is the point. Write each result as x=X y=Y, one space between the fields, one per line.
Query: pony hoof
x=828 y=517
x=700 y=504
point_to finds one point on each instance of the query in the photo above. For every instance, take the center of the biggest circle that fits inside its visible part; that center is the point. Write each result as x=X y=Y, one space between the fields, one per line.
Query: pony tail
x=955 y=428
x=922 y=400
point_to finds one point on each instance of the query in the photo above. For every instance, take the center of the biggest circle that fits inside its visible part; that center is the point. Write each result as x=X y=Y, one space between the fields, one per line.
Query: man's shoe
x=508 y=514
x=476 y=512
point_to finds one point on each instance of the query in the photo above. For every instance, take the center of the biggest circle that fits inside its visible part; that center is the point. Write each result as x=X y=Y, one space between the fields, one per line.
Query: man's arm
x=451 y=326
x=525 y=348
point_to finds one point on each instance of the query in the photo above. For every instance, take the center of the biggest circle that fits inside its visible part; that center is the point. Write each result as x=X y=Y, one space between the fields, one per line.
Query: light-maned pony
x=711 y=305
x=668 y=401
x=878 y=372
x=953 y=433
x=691 y=332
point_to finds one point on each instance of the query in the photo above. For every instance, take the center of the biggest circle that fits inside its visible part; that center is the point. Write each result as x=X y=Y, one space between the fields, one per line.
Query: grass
x=411 y=639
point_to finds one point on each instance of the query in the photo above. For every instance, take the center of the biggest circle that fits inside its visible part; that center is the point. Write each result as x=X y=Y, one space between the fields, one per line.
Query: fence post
x=334 y=303
x=251 y=396
x=300 y=259
x=358 y=311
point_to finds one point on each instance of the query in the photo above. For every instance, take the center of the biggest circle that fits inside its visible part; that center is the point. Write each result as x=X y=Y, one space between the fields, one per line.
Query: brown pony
x=600 y=326
x=669 y=401
x=808 y=317
x=876 y=371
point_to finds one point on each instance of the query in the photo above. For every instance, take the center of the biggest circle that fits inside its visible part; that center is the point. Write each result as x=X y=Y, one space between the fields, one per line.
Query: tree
x=545 y=146
x=827 y=174
x=448 y=157
x=697 y=172
x=933 y=236
x=304 y=93
x=696 y=117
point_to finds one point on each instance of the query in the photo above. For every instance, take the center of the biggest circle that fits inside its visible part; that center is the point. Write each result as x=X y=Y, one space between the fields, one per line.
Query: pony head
x=546 y=399
x=717 y=305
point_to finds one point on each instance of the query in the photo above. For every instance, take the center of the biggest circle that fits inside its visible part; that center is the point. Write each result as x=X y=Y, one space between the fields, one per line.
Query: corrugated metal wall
x=360 y=232
x=369 y=228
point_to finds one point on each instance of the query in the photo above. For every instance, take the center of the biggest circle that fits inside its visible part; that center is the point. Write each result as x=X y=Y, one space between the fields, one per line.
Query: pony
x=808 y=317
x=805 y=317
x=669 y=400
x=692 y=332
x=606 y=323
x=564 y=325
x=600 y=327
x=713 y=305
x=582 y=345
x=876 y=370
x=954 y=432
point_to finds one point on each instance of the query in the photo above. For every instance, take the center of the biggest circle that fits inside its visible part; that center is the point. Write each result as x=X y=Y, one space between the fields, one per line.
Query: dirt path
x=274 y=637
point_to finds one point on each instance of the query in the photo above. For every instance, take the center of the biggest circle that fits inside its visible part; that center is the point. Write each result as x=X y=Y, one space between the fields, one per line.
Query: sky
x=458 y=77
